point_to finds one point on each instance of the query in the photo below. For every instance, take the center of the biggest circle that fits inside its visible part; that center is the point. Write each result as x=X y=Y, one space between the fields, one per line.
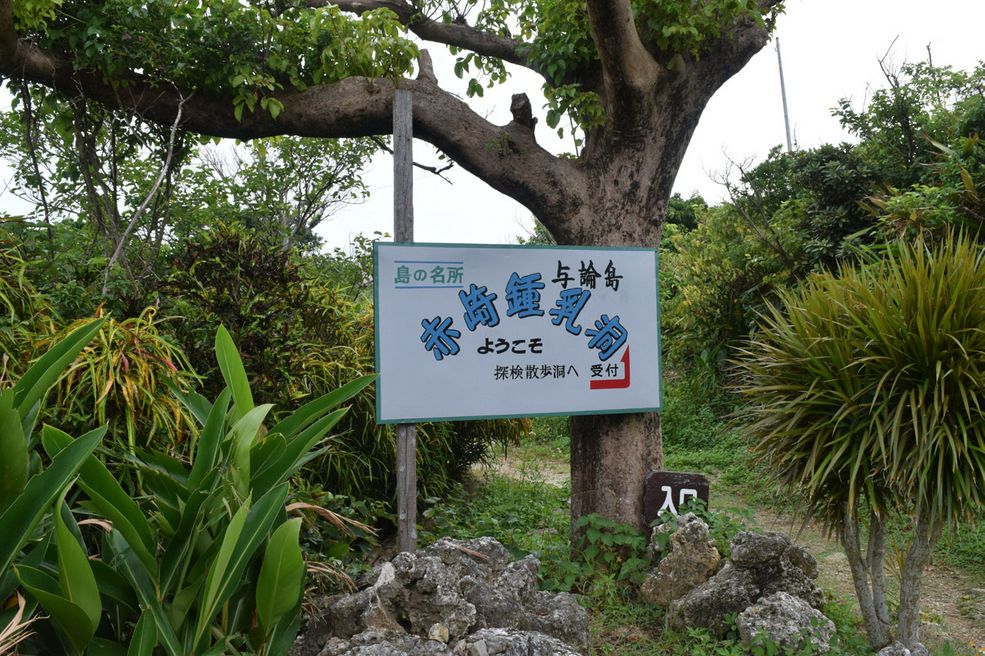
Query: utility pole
x=783 y=93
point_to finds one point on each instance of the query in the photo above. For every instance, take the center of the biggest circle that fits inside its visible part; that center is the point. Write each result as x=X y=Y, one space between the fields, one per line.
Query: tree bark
x=877 y=572
x=925 y=535
x=610 y=458
x=862 y=569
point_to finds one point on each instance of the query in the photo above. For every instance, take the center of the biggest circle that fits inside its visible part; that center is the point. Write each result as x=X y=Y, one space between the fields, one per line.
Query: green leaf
x=104 y=647
x=73 y=621
x=20 y=518
x=109 y=498
x=13 y=446
x=144 y=638
x=196 y=404
x=252 y=534
x=134 y=570
x=113 y=587
x=280 y=639
x=233 y=372
x=190 y=535
x=42 y=375
x=219 y=571
x=292 y=457
x=263 y=454
x=314 y=409
x=241 y=436
x=75 y=576
x=210 y=440
x=182 y=603
x=281 y=581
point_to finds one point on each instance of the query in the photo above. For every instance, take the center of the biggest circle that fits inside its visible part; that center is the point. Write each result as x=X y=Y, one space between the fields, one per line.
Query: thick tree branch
x=626 y=64
x=733 y=50
x=452 y=34
x=507 y=157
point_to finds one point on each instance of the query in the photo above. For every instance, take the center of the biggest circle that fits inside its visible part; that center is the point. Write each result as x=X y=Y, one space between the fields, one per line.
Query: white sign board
x=475 y=332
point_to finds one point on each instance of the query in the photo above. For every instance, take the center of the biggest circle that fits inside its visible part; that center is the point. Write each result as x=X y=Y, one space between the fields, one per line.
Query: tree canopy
x=322 y=68
x=635 y=76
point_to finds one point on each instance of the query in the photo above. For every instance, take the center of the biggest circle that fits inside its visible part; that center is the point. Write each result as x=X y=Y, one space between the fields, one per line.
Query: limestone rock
x=787 y=621
x=760 y=566
x=439 y=632
x=898 y=649
x=691 y=560
x=752 y=549
x=421 y=604
x=511 y=642
x=728 y=592
x=797 y=556
x=430 y=595
x=379 y=642
x=558 y=615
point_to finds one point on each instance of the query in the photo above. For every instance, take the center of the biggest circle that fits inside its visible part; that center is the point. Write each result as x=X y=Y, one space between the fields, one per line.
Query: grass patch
x=526 y=516
x=964 y=547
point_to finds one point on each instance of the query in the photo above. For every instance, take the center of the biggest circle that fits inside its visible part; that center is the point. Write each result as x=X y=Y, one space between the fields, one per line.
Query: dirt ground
x=953 y=605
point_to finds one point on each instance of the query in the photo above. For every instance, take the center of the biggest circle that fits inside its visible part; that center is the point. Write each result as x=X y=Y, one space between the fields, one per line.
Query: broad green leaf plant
x=27 y=494
x=208 y=562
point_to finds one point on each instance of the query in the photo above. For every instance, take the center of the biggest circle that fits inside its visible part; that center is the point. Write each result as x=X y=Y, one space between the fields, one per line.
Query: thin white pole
x=783 y=93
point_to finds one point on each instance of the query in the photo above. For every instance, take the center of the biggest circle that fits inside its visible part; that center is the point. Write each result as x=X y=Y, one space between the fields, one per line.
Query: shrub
x=123 y=379
x=207 y=561
x=865 y=395
x=28 y=491
x=303 y=332
x=22 y=313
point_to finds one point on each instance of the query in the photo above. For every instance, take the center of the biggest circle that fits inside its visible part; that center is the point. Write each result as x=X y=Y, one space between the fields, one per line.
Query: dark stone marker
x=664 y=490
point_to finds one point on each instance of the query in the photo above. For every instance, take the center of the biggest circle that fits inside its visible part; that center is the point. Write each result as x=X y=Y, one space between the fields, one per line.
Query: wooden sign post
x=403 y=232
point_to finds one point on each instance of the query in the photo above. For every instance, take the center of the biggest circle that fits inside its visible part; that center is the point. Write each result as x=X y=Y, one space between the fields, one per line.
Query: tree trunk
x=877 y=571
x=924 y=536
x=612 y=454
x=610 y=457
x=862 y=569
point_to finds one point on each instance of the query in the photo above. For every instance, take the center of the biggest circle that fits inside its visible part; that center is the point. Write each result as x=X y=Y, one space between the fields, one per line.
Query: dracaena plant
x=865 y=394
x=208 y=562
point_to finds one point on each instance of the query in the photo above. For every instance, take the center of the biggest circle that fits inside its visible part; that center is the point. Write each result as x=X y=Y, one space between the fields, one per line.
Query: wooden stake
x=403 y=232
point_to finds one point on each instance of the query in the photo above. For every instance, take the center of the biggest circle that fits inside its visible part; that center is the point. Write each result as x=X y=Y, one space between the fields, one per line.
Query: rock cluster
x=768 y=584
x=691 y=560
x=787 y=621
x=453 y=598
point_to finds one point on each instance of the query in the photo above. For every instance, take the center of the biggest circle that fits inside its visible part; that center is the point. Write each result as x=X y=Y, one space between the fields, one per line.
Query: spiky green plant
x=123 y=379
x=28 y=492
x=865 y=391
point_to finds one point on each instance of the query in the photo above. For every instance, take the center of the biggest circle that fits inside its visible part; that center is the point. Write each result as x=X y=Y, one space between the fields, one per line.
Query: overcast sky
x=830 y=51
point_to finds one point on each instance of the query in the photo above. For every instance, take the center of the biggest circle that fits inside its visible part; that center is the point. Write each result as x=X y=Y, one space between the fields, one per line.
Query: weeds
x=527 y=517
